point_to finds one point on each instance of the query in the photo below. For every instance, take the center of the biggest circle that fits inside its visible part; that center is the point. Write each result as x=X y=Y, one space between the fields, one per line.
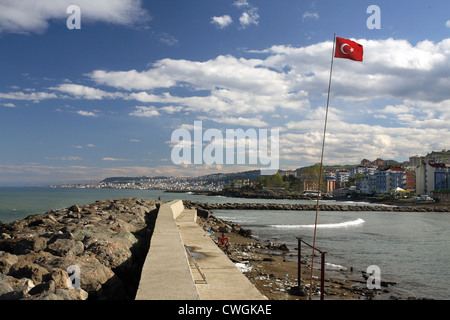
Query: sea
x=411 y=248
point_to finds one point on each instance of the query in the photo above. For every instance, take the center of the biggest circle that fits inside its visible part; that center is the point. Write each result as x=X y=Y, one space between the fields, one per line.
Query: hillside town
x=422 y=177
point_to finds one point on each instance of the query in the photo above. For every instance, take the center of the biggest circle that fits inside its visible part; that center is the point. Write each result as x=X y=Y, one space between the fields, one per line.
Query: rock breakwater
x=107 y=241
x=310 y=207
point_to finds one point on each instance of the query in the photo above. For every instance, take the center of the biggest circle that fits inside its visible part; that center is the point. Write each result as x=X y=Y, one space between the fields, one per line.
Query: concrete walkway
x=224 y=280
x=169 y=274
x=166 y=274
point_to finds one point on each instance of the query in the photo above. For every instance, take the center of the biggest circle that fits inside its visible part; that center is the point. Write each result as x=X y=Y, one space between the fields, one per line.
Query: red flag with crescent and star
x=348 y=49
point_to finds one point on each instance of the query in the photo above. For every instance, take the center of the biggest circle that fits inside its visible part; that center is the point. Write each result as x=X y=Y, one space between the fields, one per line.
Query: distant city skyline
x=80 y=105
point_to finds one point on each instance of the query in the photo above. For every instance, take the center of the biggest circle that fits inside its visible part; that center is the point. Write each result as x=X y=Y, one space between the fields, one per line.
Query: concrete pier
x=168 y=272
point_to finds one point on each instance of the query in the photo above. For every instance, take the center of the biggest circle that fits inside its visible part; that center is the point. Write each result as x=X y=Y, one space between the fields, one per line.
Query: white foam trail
x=332 y=266
x=345 y=224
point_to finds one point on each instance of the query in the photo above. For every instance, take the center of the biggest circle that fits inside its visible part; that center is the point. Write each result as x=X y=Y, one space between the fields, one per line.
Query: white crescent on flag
x=342 y=48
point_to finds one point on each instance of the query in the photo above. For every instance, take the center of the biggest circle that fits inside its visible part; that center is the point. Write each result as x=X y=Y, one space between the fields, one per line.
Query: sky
x=102 y=100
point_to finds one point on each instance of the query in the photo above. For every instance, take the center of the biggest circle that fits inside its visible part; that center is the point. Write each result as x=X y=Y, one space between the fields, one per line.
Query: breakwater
x=105 y=243
x=310 y=207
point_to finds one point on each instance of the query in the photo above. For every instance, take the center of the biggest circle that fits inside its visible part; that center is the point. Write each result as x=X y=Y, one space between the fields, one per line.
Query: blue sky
x=103 y=100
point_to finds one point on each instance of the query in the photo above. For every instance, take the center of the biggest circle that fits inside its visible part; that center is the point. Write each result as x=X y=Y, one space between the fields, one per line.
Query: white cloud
x=114 y=159
x=241 y=121
x=147 y=112
x=9 y=105
x=447 y=24
x=235 y=85
x=33 y=96
x=310 y=15
x=171 y=109
x=167 y=39
x=84 y=92
x=222 y=21
x=249 y=17
x=241 y=3
x=31 y=16
x=129 y=80
x=394 y=103
x=87 y=113
x=65 y=158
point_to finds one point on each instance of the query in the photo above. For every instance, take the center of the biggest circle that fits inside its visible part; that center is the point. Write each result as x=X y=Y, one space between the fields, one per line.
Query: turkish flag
x=348 y=49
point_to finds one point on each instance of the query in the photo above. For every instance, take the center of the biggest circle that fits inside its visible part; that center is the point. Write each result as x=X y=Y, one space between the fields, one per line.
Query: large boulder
x=12 y=288
x=7 y=260
x=29 y=270
x=66 y=247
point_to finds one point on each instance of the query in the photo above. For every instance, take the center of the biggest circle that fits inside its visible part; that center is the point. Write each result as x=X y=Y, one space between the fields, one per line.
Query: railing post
x=299 y=268
x=322 y=277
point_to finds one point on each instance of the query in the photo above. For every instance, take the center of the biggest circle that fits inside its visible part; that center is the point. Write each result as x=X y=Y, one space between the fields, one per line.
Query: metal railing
x=322 y=271
x=191 y=257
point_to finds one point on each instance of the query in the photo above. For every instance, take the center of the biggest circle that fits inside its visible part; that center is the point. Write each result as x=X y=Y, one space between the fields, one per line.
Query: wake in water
x=346 y=224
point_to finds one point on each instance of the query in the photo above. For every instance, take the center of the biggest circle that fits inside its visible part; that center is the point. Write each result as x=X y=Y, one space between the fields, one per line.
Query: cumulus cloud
x=28 y=96
x=84 y=92
x=222 y=22
x=30 y=16
x=249 y=17
x=394 y=103
x=146 y=112
x=86 y=113
x=241 y=121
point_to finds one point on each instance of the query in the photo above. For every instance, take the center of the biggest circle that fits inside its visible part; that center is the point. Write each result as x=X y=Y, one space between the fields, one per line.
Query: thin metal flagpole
x=320 y=171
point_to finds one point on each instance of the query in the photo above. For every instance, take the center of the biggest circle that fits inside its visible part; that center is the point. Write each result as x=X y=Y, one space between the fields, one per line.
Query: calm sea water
x=409 y=247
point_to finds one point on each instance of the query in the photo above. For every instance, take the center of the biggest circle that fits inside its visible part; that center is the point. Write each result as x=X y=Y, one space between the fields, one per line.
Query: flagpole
x=321 y=168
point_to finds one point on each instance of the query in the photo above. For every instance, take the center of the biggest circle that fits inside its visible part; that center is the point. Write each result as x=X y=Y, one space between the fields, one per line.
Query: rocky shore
x=312 y=207
x=106 y=242
x=273 y=267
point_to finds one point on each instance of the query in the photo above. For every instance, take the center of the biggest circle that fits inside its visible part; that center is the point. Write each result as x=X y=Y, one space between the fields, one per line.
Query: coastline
x=383 y=203
x=107 y=240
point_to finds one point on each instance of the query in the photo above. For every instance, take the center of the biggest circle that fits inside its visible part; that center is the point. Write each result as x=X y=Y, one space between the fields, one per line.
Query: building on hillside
x=361 y=169
x=310 y=185
x=441 y=178
x=426 y=175
x=411 y=180
x=239 y=183
x=341 y=176
x=356 y=170
x=287 y=173
x=415 y=161
x=331 y=184
x=368 y=184
x=390 y=179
